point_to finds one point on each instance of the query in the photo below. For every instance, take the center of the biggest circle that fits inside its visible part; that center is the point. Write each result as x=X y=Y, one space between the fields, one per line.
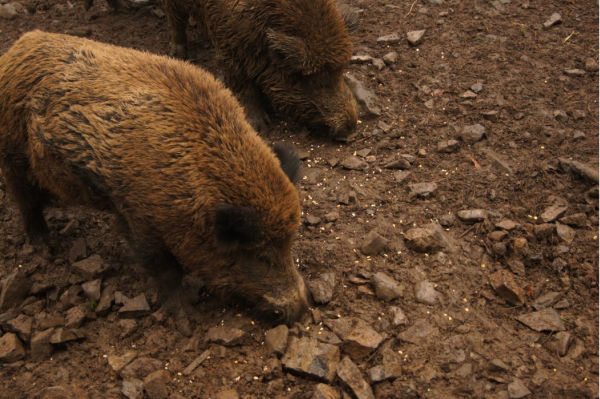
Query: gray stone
x=418 y=333
x=386 y=288
x=472 y=133
x=133 y=388
x=351 y=377
x=468 y=94
x=429 y=238
x=322 y=288
x=574 y=72
x=554 y=19
x=307 y=356
x=401 y=175
x=106 y=299
x=544 y=320
x=332 y=216
x=498 y=162
x=312 y=220
x=11 y=349
x=448 y=146
x=7 y=11
x=560 y=343
x=228 y=336
x=553 y=212
x=40 y=344
x=62 y=335
x=324 y=391
x=546 y=300
x=376 y=374
x=373 y=244
x=359 y=339
x=477 y=87
x=118 y=362
x=75 y=316
x=507 y=224
x=398 y=316
x=566 y=233
x=378 y=63
x=354 y=163
x=91 y=289
x=472 y=215
x=507 y=288
x=135 y=307
x=276 y=339
x=361 y=59
x=91 y=267
x=196 y=362
x=577 y=219
x=389 y=39
x=365 y=97
x=390 y=58
x=415 y=37
x=517 y=389
x=579 y=169
x=13 y=289
x=425 y=293
x=140 y=368
x=20 y=325
x=395 y=162
x=155 y=384
x=421 y=190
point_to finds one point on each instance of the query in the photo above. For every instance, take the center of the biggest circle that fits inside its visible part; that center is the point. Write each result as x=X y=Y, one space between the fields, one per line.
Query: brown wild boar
x=287 y=56
x=163 y=145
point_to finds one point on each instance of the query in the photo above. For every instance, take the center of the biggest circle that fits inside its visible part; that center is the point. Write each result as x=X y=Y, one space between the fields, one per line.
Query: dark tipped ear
x=236 y=225
x=292 y=51
x=350 y=15
x=288 y=159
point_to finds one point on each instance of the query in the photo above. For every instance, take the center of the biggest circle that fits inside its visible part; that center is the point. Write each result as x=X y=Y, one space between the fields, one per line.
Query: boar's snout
x=342 y=122
x=290 y=306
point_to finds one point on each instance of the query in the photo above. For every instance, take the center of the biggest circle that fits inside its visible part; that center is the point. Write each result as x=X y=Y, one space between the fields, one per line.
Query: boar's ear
x=293 y=51
x=288 y=158
x=236 y=225
x=350 y=15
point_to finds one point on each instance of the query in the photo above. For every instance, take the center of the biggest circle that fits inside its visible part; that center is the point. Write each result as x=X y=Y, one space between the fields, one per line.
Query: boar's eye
x=237 y=225
x=288 y=158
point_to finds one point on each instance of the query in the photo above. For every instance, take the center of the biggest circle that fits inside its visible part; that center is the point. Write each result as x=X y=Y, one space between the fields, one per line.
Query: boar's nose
x=291 y=308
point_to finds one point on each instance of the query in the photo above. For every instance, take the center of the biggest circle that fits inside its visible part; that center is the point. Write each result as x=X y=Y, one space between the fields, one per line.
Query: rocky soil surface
x=451 y=246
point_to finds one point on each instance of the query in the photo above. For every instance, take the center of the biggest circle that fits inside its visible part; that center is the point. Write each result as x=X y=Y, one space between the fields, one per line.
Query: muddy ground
x=447 y=325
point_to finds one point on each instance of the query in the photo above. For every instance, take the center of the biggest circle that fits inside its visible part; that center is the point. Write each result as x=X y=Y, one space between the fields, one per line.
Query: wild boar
x=163 y=145
x=286 y=56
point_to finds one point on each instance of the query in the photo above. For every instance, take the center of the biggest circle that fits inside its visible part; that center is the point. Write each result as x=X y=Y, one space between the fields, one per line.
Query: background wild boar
x=286 y=55
x=163 y=145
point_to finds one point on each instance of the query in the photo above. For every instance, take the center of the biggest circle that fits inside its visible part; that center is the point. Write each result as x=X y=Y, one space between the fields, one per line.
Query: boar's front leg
x=177 y=20
x=30 y=198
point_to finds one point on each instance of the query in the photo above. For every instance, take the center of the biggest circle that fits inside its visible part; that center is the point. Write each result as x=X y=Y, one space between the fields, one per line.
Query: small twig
x=568 y=37
x=477 y=165
x=411 y=8
x=467 y=231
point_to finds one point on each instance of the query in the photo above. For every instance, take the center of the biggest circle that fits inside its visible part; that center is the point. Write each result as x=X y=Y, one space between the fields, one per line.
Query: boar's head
x=254 y=249
x=308 y=48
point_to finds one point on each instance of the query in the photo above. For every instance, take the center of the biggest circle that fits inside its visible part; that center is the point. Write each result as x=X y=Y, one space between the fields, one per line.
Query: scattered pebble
x=276 y=339
x=40 y=344
x=62 y=335
x=155 y=384
x=133 y=388
x=472 y=133
x=11 y=349
x=517 y=389
x=322 y=288
x=448 y=146
x=560 y=343
x=546 y=300
x=373 y=243
x=91 y=289
x=354 y=163
x=507 y=288
x=117 y=362
x=141 y=367
x=364 y=97
x=7 y=11
x=307 y=356
x=429 y=238
x=421 y=190
x=390 y=58
x=312 y=220
x=566 y=233
x=135 y=307
x=554 y=19
x=13 y=289
x=389 y=39
x=415 y=37
x=543 y=320
x=359 y=338
x=351 y=377
x=579 y=169
x=361 y=59
x=425 y=293
x=91 y=267
x=324 y=391
x=401 y=175
x=472 y=215
x=418 y=332
x=75 y=317
x=477 y=87
x=386 y=288
x=222 y=335
x=378 y=63
x=574 y=72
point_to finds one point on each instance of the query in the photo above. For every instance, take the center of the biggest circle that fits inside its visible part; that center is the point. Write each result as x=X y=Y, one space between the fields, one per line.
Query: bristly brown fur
x=156 y=140
x=291 y=52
